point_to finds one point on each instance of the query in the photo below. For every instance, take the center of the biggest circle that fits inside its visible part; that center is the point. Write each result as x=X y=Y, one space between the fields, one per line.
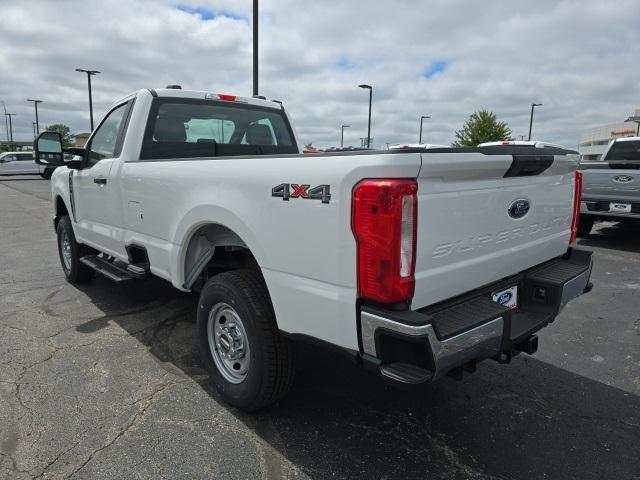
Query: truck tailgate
x=611 y=184
x=471 y=230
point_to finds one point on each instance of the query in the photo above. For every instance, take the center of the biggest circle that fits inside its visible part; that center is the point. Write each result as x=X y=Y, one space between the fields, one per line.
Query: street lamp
x=35 y=103
x=342 y=135
x=421 y=119
x=369 y=125
x=34 y=131
x=10 y=130
x=89 y=73
x=637 y=120
x=533 y=105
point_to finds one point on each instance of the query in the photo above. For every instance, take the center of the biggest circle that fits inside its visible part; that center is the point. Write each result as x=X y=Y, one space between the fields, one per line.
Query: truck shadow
x=525 y=420
x=615 y=236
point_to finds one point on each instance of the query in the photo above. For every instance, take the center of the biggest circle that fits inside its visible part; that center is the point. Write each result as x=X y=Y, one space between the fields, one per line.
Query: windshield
x=624 y=151
x=184 y=128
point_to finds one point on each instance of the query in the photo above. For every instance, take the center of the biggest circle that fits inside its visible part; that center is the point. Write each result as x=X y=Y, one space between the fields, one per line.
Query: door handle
x=100 y=181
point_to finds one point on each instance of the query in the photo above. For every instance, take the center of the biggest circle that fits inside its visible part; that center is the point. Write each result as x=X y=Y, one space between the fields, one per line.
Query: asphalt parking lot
x=104 y=381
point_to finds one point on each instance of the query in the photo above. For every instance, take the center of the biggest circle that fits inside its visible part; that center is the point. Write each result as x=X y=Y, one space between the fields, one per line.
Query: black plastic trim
x=528 y=165
x=353 y=355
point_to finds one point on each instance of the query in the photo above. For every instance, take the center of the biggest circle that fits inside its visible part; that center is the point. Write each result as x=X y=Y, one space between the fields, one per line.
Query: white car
x=22 y=163
x=415 y=263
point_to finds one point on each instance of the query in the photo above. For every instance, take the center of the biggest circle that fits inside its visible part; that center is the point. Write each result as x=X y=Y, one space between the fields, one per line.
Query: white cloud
x=578 y=58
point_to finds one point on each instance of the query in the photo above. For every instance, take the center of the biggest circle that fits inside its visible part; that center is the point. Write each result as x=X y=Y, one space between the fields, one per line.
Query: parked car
x=22 y=163
x=611 y=186
x=406 y=146
x=416 y=264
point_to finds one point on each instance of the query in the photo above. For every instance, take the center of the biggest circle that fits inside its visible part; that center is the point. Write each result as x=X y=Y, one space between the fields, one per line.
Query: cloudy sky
x=443 y=58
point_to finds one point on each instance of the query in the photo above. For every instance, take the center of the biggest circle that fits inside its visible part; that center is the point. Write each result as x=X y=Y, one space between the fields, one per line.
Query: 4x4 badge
x=294 y=190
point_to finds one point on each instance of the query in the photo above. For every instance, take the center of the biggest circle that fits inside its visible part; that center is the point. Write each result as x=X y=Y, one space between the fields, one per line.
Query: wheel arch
x=60 y=210
x=207 y=240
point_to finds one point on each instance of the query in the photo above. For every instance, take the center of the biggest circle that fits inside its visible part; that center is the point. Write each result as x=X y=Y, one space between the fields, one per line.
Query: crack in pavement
x=148 y=401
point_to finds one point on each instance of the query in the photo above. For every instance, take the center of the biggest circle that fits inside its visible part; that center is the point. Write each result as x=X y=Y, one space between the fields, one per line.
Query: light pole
x=89 y=73
x=421 y=119
x=533 y=105
x=10 y=131
x=637 y=120
x=255 y=48
x=35 y=103
x=370 y=88
x=342 y=135
x=6 y=123
x=34 y=131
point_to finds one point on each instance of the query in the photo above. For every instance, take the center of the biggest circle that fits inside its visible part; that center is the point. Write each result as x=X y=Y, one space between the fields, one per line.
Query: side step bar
x=114 y=270
x=405 y=373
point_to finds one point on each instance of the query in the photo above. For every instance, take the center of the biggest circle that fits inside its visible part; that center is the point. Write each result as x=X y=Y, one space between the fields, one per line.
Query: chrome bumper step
x=471 y=327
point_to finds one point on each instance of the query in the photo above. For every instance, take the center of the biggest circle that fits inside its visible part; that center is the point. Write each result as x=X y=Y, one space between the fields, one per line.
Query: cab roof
x=211 y=95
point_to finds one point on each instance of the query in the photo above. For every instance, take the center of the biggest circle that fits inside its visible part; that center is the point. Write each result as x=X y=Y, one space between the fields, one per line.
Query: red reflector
x=575 y=214
x=384 y=219
x=227 y=98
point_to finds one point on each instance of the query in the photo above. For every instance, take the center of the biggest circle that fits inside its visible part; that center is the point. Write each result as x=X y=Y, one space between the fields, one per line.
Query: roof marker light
x=226 y=97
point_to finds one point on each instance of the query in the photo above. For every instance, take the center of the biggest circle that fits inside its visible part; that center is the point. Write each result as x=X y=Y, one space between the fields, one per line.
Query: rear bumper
x=411 y=347
x=600 y=208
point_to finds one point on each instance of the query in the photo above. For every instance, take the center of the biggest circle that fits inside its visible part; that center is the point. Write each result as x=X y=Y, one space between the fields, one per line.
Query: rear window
x=624 y=151
x=186 y=128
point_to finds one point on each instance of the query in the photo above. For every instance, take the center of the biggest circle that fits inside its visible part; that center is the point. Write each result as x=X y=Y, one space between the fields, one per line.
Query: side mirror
x=49 y=149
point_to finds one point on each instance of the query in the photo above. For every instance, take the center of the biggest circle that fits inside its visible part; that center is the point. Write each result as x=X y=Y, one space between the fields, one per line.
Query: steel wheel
x=228 y=343
x=65 y=250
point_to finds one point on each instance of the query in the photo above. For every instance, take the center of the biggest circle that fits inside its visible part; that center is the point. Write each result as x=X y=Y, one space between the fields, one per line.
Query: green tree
x=64 y=131
x=482 y=127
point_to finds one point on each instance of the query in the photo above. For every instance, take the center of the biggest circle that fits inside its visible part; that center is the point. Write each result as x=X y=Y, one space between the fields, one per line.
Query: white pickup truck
x=416 y=262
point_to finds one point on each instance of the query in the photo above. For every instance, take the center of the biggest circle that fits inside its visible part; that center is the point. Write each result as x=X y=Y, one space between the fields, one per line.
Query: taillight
x=384 y=219
x=575 y=218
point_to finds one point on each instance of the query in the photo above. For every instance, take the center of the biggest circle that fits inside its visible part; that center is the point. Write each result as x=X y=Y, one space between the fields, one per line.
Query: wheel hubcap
x=228 y=343
x=65 y=250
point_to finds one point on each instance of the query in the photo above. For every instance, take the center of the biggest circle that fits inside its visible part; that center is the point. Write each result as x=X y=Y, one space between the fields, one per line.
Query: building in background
x=594 y=141
x=80 y=139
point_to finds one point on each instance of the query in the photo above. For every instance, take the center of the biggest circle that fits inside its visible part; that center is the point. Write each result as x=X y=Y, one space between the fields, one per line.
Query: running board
x=405 y=373
x=115 y=271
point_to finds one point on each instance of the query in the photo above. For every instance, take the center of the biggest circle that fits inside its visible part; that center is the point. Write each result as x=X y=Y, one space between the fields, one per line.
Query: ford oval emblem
x=519 y=208
x=505 y=298
x=623 y=178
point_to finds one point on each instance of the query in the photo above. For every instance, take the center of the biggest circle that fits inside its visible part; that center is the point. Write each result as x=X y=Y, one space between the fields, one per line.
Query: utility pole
x=342 y=135
x=34 y=133
x=421 y=119
x=35 y=103
x=89 y=74
x=10 y=131
x=533 y=105
x=255 y=48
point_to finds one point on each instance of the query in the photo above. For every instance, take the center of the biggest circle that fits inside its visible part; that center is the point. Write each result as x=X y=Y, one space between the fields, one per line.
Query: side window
x=104 y=141
x=25 y=157
x=10 y=158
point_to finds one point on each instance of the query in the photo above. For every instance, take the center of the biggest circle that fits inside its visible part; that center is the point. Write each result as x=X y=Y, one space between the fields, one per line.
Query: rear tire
x=585 y=225
x=46 y=174
x=247 y=359
x=70 y=252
